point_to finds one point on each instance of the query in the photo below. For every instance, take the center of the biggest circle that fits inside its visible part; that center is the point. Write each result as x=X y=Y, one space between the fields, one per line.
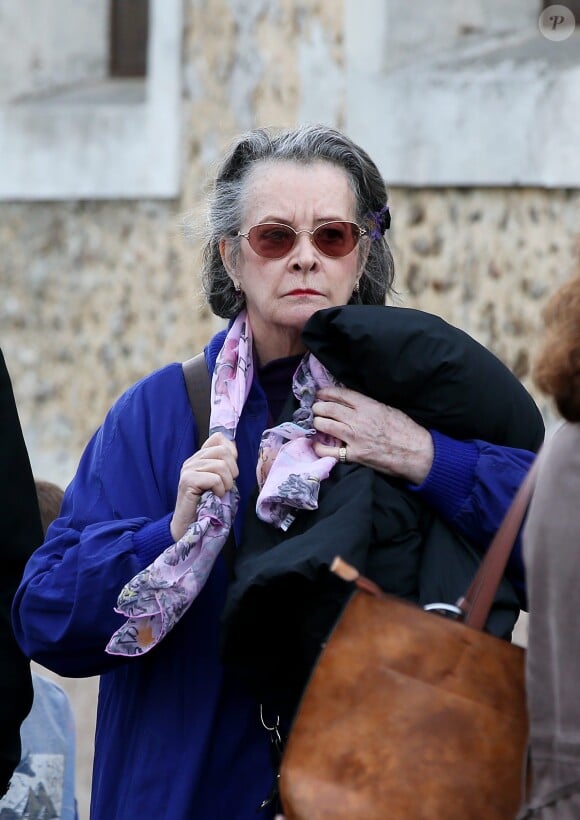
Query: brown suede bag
x=412 y=715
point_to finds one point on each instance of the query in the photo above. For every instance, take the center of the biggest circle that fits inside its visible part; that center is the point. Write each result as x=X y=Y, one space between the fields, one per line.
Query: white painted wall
x=463 y=93
x=104 y=139
x=51 y=44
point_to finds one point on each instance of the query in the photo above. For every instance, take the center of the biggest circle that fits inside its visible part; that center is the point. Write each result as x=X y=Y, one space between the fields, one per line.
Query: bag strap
x=476 y=603
x=198 y=386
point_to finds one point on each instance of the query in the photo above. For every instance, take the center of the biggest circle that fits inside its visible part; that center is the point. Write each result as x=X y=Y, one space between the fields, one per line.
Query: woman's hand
x=214 y=467
x=374 y=434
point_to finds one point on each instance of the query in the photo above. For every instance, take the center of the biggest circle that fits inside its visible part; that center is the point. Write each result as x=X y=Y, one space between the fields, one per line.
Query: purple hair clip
x=381 y=220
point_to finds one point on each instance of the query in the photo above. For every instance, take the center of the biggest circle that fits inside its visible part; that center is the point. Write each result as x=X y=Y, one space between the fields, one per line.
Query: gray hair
x=303 y=145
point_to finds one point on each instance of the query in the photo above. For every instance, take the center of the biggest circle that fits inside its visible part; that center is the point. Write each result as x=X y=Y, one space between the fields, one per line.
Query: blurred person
x=551 y=539
x=50 y=497
x=43 y=785
x=133 y=577
x=21 y=533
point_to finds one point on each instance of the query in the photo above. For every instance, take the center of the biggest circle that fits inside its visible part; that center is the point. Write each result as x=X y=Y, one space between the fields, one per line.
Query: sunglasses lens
x=270 y=240
x=336 y=238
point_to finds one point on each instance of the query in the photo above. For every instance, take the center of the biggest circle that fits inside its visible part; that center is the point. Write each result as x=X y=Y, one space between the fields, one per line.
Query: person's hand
x=214 y=467
x=374 y=434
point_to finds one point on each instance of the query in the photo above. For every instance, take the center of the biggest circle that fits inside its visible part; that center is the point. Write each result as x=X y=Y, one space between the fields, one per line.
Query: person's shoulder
x=162 y=377
x=559 y=460
x=170 y=376
x=160 y=385
x=563 y=441
x=160 y=396
x=157 y=399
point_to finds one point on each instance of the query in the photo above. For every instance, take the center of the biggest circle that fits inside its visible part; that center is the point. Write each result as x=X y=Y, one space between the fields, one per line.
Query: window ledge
x=107 y=91
x=113 y=139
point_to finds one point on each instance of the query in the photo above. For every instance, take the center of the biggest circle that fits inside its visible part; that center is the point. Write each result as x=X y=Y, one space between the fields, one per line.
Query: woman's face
x=282 y=294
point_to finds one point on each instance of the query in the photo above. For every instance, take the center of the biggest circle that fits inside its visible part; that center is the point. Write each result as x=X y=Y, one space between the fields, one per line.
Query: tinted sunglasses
x=274 y=240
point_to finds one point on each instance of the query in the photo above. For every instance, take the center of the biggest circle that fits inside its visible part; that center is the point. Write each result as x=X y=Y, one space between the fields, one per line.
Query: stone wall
x=486 y=260
x=48 y=47
x=95 y=295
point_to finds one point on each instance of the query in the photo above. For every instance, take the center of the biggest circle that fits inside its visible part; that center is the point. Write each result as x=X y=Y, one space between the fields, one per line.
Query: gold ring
x=342 y=454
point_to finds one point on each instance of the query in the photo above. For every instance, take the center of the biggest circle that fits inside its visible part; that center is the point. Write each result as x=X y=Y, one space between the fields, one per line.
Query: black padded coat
x=283 y=600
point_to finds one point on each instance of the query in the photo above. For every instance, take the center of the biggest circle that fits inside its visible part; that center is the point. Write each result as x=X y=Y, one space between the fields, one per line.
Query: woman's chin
x=299 y=313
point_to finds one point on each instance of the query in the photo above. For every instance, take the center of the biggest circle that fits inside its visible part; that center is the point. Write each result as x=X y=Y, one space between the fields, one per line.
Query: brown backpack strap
x=198 y=386
x=198 y=383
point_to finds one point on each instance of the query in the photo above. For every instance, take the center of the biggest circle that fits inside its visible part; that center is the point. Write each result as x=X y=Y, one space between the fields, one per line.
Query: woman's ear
x=227 y=260
x=225 y=253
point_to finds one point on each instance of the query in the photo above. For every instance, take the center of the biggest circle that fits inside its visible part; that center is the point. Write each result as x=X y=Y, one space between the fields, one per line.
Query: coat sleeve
x=114 y=521
x=471 y=485
x=21 y=533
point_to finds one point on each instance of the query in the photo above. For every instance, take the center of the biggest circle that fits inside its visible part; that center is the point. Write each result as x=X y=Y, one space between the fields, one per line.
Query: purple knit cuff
x=152 y=539
x=452 y=475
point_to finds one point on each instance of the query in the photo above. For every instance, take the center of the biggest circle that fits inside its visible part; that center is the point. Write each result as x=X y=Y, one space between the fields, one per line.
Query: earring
x=356 y=287
x=237 y=287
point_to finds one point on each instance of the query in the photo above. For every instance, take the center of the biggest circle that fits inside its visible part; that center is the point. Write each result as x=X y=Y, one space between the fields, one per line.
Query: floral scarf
x=288 y=473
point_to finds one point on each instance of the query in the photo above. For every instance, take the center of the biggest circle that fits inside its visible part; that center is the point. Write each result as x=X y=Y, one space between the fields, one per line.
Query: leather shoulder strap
x=477 y=601
x=198 y=386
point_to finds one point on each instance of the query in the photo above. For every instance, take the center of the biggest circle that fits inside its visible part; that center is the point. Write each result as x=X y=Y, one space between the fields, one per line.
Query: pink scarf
x=288 y=473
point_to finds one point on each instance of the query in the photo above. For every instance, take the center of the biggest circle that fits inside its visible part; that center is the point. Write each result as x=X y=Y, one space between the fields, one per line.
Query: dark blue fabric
x=177 y=736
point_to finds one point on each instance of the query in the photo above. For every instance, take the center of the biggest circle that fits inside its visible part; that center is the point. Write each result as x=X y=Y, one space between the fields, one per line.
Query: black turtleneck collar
x=276 y=380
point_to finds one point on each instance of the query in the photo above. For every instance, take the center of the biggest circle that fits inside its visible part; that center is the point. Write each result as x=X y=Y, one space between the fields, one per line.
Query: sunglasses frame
x=361 y=232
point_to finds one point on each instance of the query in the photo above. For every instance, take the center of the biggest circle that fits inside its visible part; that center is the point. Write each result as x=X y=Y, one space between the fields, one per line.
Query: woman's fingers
x=217 y=446
x=374 y=434
x=213 y=467
x=337 y=412
x=218 y=439
x=209 y=474
x=339 y=395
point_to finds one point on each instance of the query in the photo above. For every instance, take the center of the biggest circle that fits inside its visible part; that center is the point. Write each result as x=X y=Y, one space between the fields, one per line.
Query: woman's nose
x=304 y=253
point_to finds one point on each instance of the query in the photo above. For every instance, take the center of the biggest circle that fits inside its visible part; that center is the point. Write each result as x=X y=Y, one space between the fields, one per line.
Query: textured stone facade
x=486 y=260
x=95 y=295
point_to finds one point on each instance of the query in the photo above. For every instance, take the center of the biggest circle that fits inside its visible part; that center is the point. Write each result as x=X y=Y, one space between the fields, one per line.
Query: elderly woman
x=131 y=582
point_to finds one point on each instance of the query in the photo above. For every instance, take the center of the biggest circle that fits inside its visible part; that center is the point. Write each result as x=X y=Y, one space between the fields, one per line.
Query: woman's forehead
x=287 y=185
